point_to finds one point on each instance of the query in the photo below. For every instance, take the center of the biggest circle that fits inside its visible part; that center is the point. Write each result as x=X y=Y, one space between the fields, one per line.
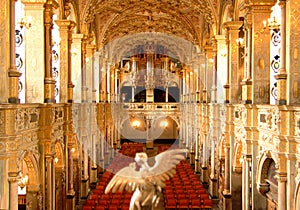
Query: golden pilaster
x=66 y=86
x=258 y=40
x=232 y=28
x=102 y=78
x=84 y=87
x=49 y=82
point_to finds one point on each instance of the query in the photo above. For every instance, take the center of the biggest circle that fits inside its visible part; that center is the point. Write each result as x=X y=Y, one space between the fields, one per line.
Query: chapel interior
x=86 y=84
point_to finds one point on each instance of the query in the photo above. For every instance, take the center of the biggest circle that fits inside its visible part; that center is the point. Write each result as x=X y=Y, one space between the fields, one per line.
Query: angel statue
x=148 y=181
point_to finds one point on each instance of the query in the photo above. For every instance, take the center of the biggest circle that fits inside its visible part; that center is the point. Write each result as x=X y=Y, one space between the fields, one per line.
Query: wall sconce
x=25 y=22
x=23 y=181
x=272 y=23
x=240 y=42
x=136 y=124
x=163 y=124
x=73 y=150
x=56 y=160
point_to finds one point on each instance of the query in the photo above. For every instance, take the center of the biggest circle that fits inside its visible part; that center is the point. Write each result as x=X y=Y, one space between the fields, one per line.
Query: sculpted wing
x=164 y=167
x=127 y=178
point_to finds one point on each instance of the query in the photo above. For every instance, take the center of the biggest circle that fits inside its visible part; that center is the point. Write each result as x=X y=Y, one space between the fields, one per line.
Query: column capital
x=13 y=179
x=281 y=176
x=232 y=25
x=65 y=24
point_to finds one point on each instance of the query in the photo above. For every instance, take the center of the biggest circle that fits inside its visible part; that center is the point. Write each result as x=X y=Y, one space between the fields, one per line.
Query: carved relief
x=268 y=119
x=26 y=118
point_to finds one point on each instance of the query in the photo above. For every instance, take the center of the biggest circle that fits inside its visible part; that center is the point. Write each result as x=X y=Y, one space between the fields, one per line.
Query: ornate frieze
x=268 y=118
x=27 y=118
x=240 y=115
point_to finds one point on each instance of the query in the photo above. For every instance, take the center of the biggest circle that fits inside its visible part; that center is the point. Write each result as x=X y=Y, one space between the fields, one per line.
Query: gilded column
x=112 y=84
x=84 y=87
x=246 y=182
x=70 y=187
x=205 y=70
x=13 y=191
x=102 y=85
x=13 y=73
x=70 y=83
x=49 y=81
x=247 y=81
x=96 y=77
x=282 y=75
x=66 y=86
x=232 y=85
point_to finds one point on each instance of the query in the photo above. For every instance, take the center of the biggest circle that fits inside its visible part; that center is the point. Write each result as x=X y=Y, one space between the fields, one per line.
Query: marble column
x=89 y=71
x=246 y=182
x=282 y=75
x=227 y=170
x=13 y=191
x=66 y=86
x=13 y=73
x=221 y=67
x=70 y=186
x=34 y=53
x=232 y=85
x=76 y=66
x=50 y=183
x=49 y=81
x=282 y=202
x=85 y=176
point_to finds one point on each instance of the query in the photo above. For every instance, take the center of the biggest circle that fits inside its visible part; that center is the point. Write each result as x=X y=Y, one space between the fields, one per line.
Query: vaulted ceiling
x=112 y=20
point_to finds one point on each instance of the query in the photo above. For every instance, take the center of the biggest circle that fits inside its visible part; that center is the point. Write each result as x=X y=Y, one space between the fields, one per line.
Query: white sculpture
x=148 y=181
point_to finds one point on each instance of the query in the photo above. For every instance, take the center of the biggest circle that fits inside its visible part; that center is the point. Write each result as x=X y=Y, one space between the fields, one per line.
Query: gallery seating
x=183 y=191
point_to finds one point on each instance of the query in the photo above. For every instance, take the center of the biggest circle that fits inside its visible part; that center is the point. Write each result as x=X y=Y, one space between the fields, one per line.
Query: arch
x=236 y=10
x=59 y=154
x=31 y=168
x=263 y=166
x=227 y=15
x=237 y=166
